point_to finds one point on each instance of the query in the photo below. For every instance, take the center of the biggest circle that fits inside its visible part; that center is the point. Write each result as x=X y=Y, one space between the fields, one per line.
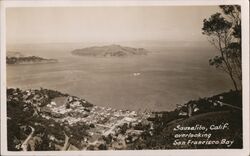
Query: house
x=53 y=103
x=128 y=119
x=196 y=109
x=182 y=113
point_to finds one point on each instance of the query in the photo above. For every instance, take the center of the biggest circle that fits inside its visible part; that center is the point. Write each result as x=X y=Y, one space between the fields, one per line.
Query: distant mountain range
x=110 y=51
x=19 y=58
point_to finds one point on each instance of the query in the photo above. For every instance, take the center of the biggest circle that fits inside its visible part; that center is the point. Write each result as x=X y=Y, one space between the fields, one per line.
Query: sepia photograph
x=123 y=77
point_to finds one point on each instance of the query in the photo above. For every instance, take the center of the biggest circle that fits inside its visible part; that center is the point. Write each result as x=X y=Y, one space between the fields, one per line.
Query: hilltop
x=110 y=51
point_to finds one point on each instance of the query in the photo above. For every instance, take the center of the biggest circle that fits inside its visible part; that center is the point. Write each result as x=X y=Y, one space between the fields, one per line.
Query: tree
x=224 y=32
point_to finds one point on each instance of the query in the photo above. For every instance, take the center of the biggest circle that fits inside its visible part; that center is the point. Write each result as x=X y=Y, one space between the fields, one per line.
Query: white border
x=76 y=3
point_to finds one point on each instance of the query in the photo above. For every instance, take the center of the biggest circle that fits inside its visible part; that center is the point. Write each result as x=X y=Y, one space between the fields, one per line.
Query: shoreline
x=33 y=63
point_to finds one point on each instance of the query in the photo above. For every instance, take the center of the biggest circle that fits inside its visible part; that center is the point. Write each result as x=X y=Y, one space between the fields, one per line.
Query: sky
x=106 y=24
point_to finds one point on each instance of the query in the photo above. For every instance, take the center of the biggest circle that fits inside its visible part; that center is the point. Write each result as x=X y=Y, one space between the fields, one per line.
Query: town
x=72 y=123
x=123 y=126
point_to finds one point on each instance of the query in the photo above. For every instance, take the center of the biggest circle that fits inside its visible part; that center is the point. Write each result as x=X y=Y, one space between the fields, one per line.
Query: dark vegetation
x=162 y=136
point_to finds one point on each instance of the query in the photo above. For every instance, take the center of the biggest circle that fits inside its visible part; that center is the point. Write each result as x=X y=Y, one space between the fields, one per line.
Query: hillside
x=46 y=119
x=110 y=51
x=206 y=123
x=173 y=135
x=49 y=120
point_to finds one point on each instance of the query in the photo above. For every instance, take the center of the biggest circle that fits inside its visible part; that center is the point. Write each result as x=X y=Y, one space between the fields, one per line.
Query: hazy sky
x=106 y=24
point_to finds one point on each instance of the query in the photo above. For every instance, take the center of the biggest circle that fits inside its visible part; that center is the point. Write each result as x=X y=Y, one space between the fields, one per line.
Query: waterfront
x=166 y=77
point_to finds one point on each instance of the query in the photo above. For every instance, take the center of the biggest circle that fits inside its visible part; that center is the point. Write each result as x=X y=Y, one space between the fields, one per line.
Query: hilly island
x=110 y=51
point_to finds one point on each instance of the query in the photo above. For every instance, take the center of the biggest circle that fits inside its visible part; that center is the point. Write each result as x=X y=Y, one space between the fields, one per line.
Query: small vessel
x=136 y=74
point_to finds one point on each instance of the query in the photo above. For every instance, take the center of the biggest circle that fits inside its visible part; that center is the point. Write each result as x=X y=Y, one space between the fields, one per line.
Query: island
x=110 y=51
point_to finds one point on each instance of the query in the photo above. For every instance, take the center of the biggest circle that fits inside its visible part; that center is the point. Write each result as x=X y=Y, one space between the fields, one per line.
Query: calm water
x=168 y=76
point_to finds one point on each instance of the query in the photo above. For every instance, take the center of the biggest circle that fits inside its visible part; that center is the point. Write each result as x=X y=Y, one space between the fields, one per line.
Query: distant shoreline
x=28 y=60
x=31 y=63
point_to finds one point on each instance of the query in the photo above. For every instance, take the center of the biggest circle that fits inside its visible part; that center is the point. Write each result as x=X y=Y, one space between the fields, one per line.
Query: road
x=66 y=143
x=24 y=146
x=232 y=106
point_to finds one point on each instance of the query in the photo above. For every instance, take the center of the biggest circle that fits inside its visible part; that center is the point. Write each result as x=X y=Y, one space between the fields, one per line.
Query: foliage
x=224 y=32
